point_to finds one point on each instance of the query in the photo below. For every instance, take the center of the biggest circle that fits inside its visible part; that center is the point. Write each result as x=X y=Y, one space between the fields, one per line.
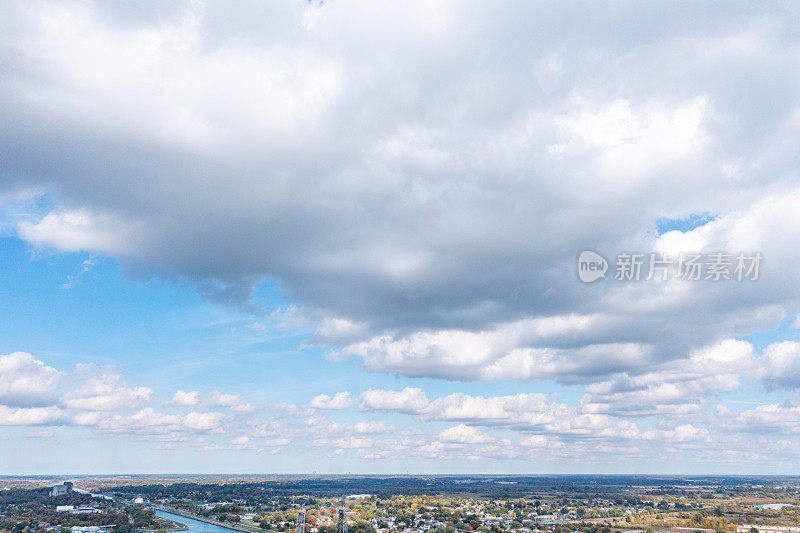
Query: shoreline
x=179 y=526
x=226 y=525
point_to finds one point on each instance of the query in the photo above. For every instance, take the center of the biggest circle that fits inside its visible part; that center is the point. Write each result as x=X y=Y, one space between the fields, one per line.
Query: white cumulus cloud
x=340 y=400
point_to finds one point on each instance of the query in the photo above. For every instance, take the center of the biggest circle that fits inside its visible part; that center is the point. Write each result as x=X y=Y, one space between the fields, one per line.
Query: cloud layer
x=433 y=197
x=611 y=418
x=418 y=180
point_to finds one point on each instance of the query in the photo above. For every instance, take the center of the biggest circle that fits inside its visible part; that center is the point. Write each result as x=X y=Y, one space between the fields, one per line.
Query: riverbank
x=226 y=525
x=178 y=526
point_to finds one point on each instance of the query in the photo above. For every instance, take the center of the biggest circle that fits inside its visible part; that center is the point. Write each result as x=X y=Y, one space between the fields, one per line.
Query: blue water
x=195 y=526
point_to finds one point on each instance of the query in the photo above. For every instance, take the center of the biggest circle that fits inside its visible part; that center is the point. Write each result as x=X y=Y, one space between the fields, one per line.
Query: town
x=442 y=504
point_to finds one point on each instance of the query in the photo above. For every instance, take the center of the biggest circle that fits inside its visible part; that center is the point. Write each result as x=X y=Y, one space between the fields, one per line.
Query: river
x=195 y=526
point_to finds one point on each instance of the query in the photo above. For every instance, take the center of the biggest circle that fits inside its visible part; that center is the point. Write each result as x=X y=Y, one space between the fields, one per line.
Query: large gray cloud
x=421 y=172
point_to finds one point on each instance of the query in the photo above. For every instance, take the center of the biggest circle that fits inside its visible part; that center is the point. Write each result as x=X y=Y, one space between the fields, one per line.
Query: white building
x=85 y=509
x=773 y=506
x=71 y=509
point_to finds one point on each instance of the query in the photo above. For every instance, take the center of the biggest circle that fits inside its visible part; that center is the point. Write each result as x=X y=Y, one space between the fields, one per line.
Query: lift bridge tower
x=301 y=521
x=342 y=517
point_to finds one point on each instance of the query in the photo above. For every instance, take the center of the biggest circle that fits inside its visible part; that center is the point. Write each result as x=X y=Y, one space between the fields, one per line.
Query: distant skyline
x=335 y=237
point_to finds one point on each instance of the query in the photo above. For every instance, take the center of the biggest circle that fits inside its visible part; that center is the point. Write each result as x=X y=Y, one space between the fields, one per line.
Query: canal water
x=195 y=526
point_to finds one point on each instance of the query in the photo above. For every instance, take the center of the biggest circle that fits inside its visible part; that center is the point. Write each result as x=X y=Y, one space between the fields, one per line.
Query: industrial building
x=61 y=489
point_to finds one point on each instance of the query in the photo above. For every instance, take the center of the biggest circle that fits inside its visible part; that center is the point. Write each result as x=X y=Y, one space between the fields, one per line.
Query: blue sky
x=342 y=237
x=165 y=335
x=137 y=325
